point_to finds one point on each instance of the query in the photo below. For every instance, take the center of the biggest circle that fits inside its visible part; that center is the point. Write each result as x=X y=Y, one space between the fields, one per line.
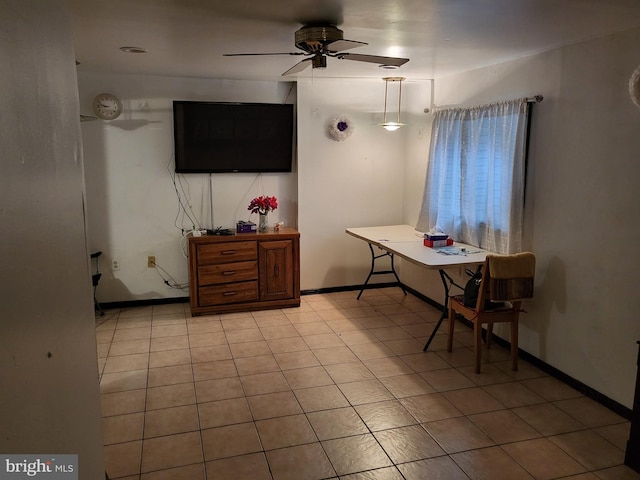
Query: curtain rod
x=534 y=99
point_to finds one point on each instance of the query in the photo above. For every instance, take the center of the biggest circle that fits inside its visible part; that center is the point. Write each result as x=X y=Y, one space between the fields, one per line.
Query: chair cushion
x=511 y=276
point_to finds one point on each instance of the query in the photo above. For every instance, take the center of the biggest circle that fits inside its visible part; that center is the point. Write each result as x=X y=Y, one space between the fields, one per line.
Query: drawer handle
x=276 y=271
x=229 y=294
x=228 y=252
x=229 y=272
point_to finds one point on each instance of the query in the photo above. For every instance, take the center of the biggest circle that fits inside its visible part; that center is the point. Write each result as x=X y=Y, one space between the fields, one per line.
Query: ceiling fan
x=319 y=41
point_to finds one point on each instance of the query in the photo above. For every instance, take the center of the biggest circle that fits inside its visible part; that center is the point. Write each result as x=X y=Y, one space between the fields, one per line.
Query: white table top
x=391 y=233
x=407 y=243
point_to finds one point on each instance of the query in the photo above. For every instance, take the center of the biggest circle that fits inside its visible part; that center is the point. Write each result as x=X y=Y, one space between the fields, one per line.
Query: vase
x=263 y=225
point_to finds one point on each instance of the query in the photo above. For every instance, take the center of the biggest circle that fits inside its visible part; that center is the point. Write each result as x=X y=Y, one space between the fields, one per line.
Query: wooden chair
x=507 y=279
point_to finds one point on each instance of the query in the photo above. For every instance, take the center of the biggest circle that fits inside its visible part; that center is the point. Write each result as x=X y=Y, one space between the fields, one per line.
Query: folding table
x=407 y=243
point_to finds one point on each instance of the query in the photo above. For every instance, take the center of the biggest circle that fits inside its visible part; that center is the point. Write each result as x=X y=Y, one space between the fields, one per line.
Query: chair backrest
x=507 y=278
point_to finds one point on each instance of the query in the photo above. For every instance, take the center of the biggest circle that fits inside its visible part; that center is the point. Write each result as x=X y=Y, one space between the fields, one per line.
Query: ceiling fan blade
x=298 y=67
x=253 y=54
x=390 y=61
x=340 y=45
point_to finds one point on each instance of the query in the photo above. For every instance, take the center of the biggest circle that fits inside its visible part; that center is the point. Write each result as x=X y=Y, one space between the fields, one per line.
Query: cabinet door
x=276 y=269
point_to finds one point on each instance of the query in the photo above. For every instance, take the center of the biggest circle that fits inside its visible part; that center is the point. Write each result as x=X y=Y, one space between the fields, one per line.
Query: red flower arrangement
x=263 y=204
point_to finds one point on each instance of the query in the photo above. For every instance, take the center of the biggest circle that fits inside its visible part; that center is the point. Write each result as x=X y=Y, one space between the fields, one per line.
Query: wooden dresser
x=247 y=271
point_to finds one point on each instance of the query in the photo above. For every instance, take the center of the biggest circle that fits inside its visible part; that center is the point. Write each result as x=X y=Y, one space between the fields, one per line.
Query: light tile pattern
x=338 y=388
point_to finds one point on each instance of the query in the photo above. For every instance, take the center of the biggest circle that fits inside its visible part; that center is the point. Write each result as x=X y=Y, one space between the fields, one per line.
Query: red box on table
x=438 y=243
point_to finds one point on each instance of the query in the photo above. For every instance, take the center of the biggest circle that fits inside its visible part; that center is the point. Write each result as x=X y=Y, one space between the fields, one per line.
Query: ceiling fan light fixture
x=319 y=61
x=392 y=126
x=316 y=38
x=321 y=40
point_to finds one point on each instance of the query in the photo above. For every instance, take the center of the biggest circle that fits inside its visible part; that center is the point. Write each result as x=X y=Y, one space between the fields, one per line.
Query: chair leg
x=514 y=344
x=489 y=334
x=477 y=342
x=452 y=321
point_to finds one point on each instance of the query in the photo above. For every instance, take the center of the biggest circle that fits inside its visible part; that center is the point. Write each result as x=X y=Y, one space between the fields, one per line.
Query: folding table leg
x=445 y=310
x=373 y=271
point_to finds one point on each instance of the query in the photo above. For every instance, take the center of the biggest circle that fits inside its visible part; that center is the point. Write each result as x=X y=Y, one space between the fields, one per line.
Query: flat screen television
x=215 y=137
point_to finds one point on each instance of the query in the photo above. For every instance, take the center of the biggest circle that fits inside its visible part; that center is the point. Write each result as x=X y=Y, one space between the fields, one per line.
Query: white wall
x=352 y=183
x=50 y=398
x=581 y=205
x=132 y=204
x=581 y=181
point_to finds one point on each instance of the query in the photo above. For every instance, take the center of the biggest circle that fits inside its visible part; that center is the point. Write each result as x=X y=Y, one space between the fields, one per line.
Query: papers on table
x=453 y=250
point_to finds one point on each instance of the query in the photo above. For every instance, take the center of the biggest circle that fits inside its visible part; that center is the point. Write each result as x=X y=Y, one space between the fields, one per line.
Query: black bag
x=472 y=289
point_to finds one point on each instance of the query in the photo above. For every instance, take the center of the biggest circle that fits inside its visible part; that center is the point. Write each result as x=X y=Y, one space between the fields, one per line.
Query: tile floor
x=338 y=388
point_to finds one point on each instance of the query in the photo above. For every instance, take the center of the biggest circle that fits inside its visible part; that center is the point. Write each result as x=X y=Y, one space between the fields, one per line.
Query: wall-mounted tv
x=215 y=137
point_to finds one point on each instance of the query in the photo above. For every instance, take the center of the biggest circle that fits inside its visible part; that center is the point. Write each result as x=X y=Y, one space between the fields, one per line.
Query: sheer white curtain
x=474 y=189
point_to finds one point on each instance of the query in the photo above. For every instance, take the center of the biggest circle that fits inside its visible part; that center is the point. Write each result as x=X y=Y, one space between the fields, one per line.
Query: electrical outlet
x=151 y=261
x=115 y=264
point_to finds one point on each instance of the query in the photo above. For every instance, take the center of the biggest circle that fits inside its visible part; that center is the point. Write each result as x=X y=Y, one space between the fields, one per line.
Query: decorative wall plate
x=340 y=128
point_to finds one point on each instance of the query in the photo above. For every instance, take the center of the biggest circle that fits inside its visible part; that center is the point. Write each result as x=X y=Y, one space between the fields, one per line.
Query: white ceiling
x=188 y=37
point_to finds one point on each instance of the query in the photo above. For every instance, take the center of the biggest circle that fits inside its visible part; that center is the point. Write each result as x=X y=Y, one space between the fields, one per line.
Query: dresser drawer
x=228 y=293
x=227 y=272
x=214 y=253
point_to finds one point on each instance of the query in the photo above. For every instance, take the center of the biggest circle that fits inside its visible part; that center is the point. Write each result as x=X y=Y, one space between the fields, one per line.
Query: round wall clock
x=107 y=106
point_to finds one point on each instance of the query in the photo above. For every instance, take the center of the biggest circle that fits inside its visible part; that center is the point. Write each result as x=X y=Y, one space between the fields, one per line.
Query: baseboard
x=349 y=288
x=165 y=301
x=548 y=369
x=567 y=379
x=587 y=391
x=144 y=303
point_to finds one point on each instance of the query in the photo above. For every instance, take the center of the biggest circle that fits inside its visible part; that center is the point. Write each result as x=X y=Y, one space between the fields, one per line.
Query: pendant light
x=392 y=126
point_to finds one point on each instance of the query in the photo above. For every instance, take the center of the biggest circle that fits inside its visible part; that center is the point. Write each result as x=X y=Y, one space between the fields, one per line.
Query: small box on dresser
x=248 y=271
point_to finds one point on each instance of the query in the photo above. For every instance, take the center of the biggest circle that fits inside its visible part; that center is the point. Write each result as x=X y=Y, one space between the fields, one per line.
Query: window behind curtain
x=475 y=178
